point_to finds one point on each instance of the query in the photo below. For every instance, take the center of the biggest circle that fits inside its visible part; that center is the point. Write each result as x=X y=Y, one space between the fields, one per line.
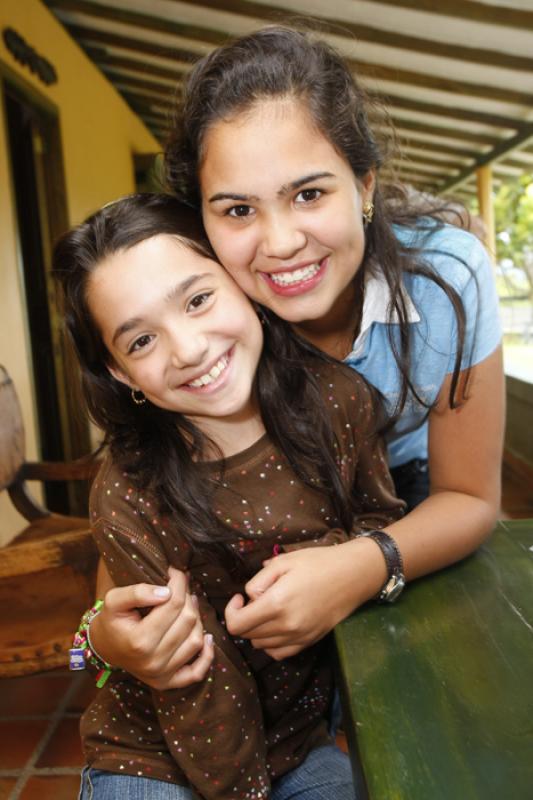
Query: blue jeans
x=324 y=775
x=411 y=481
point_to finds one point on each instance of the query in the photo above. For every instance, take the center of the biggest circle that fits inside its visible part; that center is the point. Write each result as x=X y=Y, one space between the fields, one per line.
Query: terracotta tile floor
x=40 y=753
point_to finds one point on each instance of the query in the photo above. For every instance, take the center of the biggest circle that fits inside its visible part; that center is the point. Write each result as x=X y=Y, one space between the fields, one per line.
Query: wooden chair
x=47 y=571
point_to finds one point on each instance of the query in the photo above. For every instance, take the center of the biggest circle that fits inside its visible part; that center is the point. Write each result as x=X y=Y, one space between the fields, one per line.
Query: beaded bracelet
x=82 y=651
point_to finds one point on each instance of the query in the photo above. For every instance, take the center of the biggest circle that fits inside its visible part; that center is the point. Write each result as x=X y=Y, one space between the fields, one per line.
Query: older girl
x=273 y=143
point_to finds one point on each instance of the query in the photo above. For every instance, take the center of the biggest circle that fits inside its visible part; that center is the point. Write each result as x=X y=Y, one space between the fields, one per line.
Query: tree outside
x=513 y=207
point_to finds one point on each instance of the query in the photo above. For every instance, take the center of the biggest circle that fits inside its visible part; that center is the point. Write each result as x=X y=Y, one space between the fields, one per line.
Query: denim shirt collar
x=375 y=309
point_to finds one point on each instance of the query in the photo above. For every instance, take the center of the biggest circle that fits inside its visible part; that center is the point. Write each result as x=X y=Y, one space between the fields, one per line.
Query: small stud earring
x=368 y=212
x=138 y=397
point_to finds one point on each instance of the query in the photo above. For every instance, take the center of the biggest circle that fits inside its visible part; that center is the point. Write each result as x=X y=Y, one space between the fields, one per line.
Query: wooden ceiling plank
x=451 y=112
x=167 y=92
x=432 y=147
x=367 y=33
x=104 y=59
x=360 y=68
x=83 y=33
x=147 y=99
x=410 y=152
x=449 y=133
x=422 y=158
x=393 y=74
x=405 y=177
x=420 y=169
x=507 y=146
x=147 y=21
x=471 y=10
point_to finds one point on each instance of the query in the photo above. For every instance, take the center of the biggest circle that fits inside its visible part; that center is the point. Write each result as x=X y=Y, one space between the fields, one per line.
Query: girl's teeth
x=297 y=275
x=212 y=375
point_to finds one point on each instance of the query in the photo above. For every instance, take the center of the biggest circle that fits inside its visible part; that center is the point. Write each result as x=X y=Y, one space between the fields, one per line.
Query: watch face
x=393 y=589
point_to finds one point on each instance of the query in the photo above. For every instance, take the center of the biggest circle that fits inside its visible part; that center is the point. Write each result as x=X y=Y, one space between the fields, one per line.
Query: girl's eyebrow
x=299 y=182
x=285 y=189
x=177 y=291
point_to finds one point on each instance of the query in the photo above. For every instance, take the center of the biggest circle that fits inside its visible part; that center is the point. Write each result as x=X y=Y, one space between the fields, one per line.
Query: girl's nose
x=282 y=239
x=189 y=349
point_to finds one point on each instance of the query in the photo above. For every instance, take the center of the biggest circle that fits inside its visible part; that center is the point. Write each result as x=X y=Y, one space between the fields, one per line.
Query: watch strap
x=393 y=559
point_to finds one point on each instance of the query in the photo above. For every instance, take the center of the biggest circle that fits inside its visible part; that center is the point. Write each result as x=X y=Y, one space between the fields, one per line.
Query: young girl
x=222 y=452
x=273 y=143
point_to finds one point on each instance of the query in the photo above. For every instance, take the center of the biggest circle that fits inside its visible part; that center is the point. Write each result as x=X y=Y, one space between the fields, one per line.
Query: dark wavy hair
x=162 y=450
x=279 y=62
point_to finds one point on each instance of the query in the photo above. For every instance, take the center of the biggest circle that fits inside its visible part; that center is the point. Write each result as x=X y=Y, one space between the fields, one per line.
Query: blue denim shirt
x=434 y=330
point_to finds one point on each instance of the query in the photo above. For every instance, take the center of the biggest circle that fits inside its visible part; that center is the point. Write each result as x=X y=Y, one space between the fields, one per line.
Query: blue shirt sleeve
x=475 y=282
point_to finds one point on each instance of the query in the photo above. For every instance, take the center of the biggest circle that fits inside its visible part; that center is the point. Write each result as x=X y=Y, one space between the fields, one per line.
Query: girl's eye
x=198 y=300
x=308 y=195
x=239 y=211
x=138 y=344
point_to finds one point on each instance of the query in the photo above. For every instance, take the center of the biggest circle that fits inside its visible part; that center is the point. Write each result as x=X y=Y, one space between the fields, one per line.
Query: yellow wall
x=99 y=134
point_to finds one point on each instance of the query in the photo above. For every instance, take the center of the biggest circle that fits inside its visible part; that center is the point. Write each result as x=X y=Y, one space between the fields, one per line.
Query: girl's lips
x=298 y=287
x=215 y=384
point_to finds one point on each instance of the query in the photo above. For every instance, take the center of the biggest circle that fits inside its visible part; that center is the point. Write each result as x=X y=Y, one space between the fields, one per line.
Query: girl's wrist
x=84 y=652
x=365 y=571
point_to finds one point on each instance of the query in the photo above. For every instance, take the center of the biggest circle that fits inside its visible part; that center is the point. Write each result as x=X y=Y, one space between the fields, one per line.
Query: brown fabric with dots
x=253 y=719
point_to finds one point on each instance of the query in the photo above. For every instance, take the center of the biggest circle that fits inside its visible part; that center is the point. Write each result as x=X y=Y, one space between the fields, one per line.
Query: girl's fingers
x=197 y=671
x=164 y=632
x=279 y=653
x=263 y=579
x=184 y=647
x=241 y=619
x=127 y=599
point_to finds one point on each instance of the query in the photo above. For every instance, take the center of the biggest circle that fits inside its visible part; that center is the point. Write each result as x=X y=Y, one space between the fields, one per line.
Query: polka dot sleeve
x=213 y=729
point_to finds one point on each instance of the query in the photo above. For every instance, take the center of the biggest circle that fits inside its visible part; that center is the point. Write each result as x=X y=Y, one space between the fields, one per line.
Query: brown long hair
x=279 y=61
x=162 y=450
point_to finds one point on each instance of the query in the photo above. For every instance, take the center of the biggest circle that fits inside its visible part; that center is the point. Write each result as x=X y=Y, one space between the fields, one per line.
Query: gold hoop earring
x=368 y=212
x=139 y=401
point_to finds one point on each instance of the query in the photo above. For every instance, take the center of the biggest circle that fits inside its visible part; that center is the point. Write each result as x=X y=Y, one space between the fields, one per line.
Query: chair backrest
x=12 y=441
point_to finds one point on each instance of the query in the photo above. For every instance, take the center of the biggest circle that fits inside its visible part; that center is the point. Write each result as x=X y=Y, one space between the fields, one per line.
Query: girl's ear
x=120 y=376
x=368 y=185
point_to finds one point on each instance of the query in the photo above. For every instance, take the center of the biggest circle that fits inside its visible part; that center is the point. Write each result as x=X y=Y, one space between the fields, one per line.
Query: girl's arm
x=213 y=729
x=158 y=648
x=298 y=597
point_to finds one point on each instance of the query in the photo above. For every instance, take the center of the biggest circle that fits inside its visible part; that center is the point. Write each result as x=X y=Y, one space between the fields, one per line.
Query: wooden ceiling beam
x=408 y=177
x=431 y=147
x=83 y=33
x=148 y=100
x=470 y=10
x=438 y=130
x=103 y=59
x=359 y=68
x=450 y=85
x=148 y=22
x=426 y=169
x=420 y=169
x=209 y=36
x=422 y=158
x=167 y=92
x=498 y=152
x=467 y=115
x=366 y=33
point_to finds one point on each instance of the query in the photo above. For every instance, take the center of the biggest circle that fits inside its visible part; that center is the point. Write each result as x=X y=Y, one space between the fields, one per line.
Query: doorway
x=37 y=179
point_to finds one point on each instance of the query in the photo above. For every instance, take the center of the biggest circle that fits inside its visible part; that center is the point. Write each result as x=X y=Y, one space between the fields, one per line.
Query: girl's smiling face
x=177 y=328
x=283 y=211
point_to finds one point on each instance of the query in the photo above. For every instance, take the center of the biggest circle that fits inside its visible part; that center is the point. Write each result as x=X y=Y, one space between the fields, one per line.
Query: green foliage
x=513 y=208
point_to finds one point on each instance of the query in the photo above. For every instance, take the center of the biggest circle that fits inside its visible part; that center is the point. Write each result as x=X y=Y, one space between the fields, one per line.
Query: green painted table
x=438 y=689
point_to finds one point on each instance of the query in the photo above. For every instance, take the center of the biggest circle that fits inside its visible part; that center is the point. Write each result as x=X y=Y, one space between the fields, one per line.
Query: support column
x=486 y=207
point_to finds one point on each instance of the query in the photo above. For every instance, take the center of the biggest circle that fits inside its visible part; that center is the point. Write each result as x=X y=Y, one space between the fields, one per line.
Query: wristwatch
x=393 y=559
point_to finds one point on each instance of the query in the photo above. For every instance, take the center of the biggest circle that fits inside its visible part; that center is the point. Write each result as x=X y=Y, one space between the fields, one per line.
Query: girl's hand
x=158 y=647
x=298 y=597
